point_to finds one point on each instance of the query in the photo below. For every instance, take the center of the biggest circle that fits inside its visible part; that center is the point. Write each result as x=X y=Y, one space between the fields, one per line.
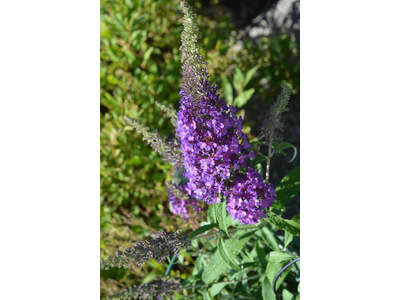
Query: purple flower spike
x=211 y=136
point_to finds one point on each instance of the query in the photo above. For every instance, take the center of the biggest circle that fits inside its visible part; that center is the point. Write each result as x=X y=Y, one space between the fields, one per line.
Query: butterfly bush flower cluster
x=152 y=290
x=158 y=247
x=213 y=145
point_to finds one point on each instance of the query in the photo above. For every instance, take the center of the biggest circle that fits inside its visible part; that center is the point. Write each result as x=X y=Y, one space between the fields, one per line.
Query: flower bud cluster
x=152 y=290
x=158 y=247
x=170 y=149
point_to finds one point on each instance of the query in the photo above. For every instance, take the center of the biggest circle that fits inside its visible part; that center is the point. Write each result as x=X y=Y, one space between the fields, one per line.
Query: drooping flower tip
x=249 y=197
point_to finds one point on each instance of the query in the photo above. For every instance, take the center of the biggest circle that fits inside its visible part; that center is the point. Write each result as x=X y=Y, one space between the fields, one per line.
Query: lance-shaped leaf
x=286 y=225
x=222 y=216
x=226 y=256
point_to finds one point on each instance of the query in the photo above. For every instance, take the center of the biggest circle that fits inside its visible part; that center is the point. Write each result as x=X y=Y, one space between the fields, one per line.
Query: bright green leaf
x=212 y=216
x=225 y=255
x=277 y=256
x=217 y=265
x=207 y=295
x=273 y=268
x=266 y=290
x=221 y=216
x=217 y=288
x=286 y=295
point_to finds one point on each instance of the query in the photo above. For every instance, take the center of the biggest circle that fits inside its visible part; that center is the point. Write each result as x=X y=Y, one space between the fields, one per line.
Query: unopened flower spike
x=272 y=126
x=169 y=110
x=158 y=247
x=170 y=149
x=157 y=289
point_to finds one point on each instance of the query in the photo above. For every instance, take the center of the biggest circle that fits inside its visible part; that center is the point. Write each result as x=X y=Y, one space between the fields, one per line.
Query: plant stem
x=231 y=281
x=170 y=264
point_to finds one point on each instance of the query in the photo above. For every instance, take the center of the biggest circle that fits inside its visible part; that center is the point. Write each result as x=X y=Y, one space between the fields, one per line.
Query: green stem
x=170 y=264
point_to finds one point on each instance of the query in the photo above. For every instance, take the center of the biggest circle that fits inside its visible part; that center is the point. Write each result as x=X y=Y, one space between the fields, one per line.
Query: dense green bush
x=140 y=64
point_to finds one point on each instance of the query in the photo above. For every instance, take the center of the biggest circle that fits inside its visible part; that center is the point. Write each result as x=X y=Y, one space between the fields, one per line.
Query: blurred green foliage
x=140 y=64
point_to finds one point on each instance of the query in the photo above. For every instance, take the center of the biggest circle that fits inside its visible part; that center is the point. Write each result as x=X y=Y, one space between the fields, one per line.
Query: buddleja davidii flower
x=213 y=146
x=212 y=141
x=158 y=247
x=272 y=126
x=169 y=148
x=180 y=201
x=248 y=197
x=152 y=290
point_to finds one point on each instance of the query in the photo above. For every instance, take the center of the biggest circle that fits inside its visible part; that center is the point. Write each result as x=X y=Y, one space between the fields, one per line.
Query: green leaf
x=286 y=295
x=207 y=295
x=201 y=230
x=261 y=255
x=269 y=239
x=146 y=55
x=298 y=288
x=288 y=238
x=289 y=187
x=243 y=98
x=217 y=288
x=266 y=290
x=217 y=265
x=286 y=145
x=228 y=91
x=225 y=255
x=250 y=74
x=283 y=224
x=212 y=216
x=273 y=268
x=276 y=256
x=296 y=218
x=238 y=80
x=222 y=217
x=282 y=278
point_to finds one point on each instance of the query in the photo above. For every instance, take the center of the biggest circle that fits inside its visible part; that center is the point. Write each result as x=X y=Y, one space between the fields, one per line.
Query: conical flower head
x=212 y=142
